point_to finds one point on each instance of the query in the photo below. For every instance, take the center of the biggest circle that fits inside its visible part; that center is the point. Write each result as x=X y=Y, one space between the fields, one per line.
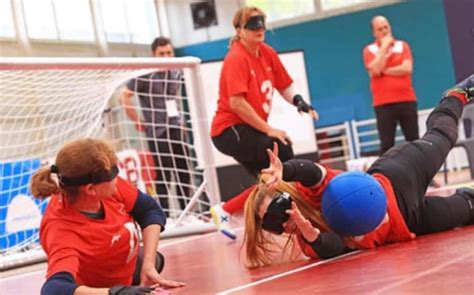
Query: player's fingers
x=275 y=149
x=282 y=139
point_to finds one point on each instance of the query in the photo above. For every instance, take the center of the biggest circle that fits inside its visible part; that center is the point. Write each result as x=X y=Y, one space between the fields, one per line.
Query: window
x=143 y=23
x=59 y=19
x=283 y=9
x=74 y=20
x=114 y=19
x=6 y=19
x=334 y=4
x=131 y=21
x=40 y=20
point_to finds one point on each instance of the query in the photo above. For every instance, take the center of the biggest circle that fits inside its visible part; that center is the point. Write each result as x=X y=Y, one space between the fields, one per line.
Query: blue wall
x=338 y=82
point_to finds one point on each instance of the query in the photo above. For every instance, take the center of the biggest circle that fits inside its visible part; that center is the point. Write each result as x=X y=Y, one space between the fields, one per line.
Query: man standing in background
x=160 y=95
x=389 y=64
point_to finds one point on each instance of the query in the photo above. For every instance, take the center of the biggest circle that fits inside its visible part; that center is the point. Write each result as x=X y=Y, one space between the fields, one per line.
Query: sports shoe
x=222 y=221
x=465 y=87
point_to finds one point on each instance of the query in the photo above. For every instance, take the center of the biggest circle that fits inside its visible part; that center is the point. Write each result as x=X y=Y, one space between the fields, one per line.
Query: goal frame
x=200 y=123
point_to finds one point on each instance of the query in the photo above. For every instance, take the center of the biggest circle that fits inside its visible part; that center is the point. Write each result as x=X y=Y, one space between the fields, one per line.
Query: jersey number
x=267 y=89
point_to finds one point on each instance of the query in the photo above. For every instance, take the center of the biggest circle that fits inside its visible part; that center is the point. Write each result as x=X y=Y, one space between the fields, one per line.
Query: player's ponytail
x=76 y=158
x=42 y=185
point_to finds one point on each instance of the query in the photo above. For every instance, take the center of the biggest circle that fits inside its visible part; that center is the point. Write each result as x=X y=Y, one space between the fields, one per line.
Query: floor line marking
x=184 y=240
x=32 y=273
x=420 y=274
x=277 y=276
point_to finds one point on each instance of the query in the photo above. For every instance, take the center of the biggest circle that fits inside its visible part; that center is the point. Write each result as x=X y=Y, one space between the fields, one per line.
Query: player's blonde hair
x=259 y=244
x=76 y=158
x=241 y=17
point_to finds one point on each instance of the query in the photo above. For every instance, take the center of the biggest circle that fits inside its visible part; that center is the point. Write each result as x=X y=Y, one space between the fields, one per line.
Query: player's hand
x=280 y=135
x=314 y=114
x=308 y=231
x=275 y=170
x=150 y=277
x=387 y=41
x=303 y=107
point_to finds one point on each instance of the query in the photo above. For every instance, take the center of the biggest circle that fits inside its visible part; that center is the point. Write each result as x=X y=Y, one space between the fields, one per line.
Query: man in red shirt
x=389 y=64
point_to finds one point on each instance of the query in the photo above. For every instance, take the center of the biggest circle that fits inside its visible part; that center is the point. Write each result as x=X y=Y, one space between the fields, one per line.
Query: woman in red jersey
x=250 y=73
x=292 y=199
x=89 y=230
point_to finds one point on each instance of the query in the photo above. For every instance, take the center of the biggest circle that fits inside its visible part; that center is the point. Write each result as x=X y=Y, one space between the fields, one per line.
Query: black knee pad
x=159 y=262
x=285 y=152
x=159 y=265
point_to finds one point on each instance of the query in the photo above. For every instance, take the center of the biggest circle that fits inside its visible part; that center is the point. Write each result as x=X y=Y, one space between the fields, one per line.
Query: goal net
x=45 y=103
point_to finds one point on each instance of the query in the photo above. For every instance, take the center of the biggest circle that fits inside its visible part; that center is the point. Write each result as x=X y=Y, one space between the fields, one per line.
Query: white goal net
x=45 y=103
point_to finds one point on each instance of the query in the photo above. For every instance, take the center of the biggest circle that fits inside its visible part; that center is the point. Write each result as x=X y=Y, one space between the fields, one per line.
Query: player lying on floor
x=327 y=211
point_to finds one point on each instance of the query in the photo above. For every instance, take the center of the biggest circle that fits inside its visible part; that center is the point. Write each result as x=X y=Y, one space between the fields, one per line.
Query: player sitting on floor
x=89 y=232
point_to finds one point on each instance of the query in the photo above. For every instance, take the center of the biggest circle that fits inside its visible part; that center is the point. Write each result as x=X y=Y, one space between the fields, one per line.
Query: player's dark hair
x=159 y=42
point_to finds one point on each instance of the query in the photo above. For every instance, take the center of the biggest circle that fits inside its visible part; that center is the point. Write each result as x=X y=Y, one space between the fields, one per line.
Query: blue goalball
x=353 y=203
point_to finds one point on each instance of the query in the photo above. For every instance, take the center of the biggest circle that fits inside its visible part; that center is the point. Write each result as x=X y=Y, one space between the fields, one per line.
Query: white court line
x=419 y=275
x=286 y=273
x=27 y=274
x=165 y=245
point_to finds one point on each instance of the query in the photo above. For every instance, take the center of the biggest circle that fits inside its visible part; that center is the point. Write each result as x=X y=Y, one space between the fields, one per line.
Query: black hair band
x=54 y=169
x=91 y=178
x=254 y=23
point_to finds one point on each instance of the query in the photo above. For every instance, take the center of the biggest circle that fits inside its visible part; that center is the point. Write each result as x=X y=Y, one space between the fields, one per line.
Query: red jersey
x=388 y=89
x=97 y=253
x=392 y=229
x=253 y=77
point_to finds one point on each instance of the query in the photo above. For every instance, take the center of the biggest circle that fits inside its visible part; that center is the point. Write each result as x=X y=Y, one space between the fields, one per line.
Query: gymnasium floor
x=210 y=264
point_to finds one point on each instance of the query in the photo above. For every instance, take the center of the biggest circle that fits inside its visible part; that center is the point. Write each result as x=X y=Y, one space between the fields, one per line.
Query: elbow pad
x=327 y=245
x=303 y=171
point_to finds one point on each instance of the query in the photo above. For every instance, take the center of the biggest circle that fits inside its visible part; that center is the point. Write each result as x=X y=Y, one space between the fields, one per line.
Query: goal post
x=46 y=102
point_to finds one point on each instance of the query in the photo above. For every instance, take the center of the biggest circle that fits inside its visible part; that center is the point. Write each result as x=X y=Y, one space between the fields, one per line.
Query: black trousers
x=170 y=156
x=248 y=146
x=411 y=166
x=389 y=115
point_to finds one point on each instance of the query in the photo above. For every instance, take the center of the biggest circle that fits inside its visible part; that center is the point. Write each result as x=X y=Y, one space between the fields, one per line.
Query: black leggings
x=248 y=146
x=411 y=166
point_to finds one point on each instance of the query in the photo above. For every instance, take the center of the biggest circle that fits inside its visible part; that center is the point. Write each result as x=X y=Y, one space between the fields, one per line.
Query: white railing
x=352 y=139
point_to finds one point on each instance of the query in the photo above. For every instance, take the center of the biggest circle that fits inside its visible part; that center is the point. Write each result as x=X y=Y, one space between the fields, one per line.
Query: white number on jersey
x=267 y=89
